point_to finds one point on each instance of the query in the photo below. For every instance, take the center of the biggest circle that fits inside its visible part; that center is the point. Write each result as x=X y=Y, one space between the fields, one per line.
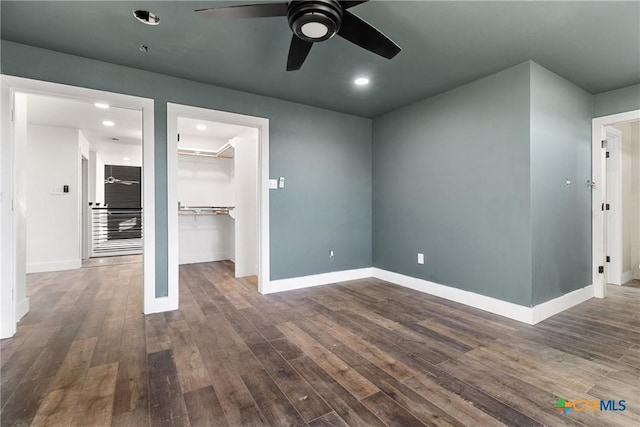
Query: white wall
x=84 y=145
x=96 y=178
x=246 y=194
x=114 y=153
x=53 y=241
x=204 y=181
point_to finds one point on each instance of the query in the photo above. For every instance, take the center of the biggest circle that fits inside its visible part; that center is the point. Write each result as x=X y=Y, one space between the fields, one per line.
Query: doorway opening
x=623 y=200
x=87 y=175
x=54 y=134
x=616 y=200
x=218 y=193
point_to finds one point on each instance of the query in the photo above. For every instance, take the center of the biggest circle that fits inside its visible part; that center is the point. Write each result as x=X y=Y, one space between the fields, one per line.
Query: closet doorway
x=217 y=195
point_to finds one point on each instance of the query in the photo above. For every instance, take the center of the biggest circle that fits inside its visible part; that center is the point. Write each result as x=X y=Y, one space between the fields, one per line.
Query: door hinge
x=604 y=143
x=608 y=258
x=606 y=206
x=178 y=137
x=601 y=269
x=607 y=154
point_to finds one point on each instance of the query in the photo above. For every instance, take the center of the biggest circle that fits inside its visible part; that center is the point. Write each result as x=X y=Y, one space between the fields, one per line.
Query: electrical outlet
x=420 y=258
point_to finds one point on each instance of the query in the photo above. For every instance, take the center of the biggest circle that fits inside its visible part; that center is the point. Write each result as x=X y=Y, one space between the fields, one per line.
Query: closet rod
x=207 y=153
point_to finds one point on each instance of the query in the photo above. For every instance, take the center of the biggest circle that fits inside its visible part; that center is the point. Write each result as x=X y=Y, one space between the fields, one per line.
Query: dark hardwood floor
x=363 y=353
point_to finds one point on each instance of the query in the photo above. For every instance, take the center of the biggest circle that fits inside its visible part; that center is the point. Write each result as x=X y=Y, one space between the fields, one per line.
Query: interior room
x=218 y=194
x=349 y=213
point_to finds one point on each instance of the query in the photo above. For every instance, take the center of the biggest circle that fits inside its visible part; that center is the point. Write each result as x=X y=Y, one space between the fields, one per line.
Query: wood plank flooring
x=360 y=353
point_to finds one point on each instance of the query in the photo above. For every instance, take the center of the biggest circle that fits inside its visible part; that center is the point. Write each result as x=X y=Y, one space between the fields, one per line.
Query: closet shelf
x=227 y=149
x=207 y=210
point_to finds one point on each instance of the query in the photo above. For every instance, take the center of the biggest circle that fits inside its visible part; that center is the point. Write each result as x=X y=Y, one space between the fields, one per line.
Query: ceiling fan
x=112 y=180
x=314 y=21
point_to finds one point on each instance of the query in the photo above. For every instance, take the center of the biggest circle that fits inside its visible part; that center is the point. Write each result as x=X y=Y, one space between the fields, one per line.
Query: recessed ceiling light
x=126 y=159
x=102 y=105
x=361 y=81
x=108 y=123
x=201 y=127
x=146 y=17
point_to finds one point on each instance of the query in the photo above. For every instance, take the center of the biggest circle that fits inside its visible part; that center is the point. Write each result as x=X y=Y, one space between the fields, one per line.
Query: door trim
x=598 y=181
x=262 y=124
x=24 y=85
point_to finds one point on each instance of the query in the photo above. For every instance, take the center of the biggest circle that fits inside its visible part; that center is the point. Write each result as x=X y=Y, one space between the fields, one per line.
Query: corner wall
x=560 y=213
x=451 y=180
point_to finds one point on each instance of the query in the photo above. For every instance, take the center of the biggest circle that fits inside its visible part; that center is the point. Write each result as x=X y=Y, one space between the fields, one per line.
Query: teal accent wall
x=475 y=179
x=325 y=157
x=617 y=101
x=560 y=214
x=451 y=180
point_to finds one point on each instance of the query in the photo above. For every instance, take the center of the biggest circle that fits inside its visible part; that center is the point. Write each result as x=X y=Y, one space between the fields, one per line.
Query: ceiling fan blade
x=298 y=51
x=363 y=34
x=348 y=4
x=262 y=10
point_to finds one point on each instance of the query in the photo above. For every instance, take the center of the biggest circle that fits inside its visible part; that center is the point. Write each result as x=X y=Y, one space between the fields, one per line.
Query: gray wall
x=617 y=101
x=325 y=157
x=560 y=214
x=451 y=180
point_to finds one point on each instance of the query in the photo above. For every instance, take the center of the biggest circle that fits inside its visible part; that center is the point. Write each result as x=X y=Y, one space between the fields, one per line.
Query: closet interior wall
x=218 y=197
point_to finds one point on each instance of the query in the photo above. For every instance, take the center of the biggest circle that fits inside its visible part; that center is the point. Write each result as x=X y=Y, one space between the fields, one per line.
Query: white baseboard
x=45 y=267
x=315 y=280
x=22 y=308
x=492 y=305
x=529 y=315
x=207 y=257
x=159 y=305
x=627 y=276
x=561 y=303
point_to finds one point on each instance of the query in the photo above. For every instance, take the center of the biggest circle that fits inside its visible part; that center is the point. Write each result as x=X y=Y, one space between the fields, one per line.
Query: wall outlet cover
x=273 y=184
x=420 y=258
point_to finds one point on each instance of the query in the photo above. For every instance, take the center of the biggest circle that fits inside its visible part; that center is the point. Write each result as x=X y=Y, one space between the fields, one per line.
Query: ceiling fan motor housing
x=308 y=17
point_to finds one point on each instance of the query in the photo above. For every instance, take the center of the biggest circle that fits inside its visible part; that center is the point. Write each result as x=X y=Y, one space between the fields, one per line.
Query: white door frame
x=613 y=216
x=12 y=85
x=177 y=110
x=598 y=181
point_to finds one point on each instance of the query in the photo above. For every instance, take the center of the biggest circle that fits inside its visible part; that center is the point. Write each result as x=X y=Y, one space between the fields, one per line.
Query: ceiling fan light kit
x=314 y=21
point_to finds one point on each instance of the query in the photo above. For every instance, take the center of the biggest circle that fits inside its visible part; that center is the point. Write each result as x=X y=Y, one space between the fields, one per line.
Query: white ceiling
x=83 y=115
x=215 y=130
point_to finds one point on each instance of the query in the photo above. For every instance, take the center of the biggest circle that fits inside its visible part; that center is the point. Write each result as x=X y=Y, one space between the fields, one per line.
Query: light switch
x=281 y=182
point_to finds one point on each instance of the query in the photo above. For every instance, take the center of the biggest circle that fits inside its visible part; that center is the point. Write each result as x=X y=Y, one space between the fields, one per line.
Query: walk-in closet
x=218 y=194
